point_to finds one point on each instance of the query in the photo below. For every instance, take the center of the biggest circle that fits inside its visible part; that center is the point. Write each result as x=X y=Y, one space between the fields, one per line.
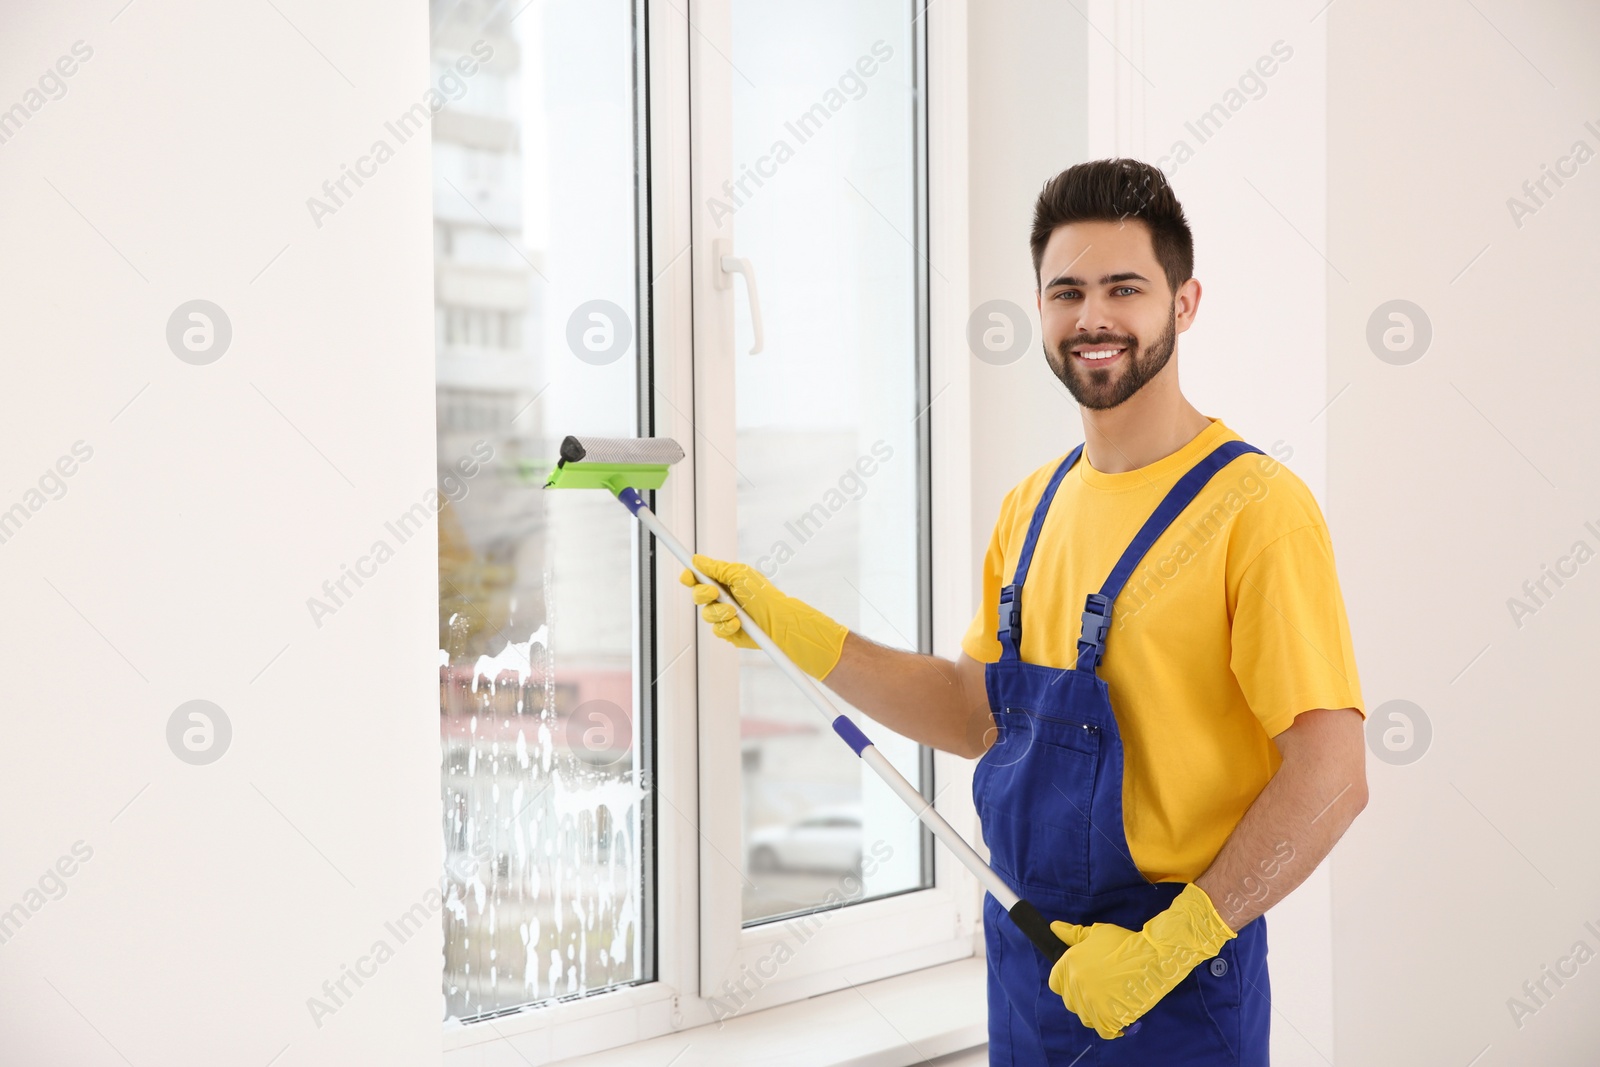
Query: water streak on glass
x=544 y=808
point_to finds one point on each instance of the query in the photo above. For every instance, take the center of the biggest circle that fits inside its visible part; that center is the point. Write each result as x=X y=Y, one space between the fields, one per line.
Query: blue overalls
x=1049 y=794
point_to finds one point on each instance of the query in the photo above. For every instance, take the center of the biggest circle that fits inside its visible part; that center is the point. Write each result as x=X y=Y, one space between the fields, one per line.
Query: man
x=1160 y=683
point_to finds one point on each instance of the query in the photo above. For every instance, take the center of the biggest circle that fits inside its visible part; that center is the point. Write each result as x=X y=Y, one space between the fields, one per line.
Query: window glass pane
x=824 y=203
x=544 y=822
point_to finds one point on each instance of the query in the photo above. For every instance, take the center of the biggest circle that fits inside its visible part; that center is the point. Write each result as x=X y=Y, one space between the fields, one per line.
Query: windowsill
x=888 y=1023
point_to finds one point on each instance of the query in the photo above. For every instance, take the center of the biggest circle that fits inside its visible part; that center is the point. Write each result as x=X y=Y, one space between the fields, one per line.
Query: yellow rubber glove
x=1111 y=975
x=805 y=634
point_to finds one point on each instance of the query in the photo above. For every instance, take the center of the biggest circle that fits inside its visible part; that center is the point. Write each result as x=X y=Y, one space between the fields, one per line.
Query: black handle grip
x=1030 y=922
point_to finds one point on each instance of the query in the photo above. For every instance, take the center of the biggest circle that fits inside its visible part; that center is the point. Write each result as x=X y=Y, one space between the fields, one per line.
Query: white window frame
x=860 y=942
x=701 y=940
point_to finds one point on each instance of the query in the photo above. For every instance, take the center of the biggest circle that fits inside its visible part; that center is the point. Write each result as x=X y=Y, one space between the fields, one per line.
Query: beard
x=1100 y=389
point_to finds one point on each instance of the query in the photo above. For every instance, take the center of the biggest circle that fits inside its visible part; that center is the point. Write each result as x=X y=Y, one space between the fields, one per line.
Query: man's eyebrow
x=1109 y=279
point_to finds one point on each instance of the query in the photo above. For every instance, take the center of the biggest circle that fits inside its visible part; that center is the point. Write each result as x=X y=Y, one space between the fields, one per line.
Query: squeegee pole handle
x=1024 y=914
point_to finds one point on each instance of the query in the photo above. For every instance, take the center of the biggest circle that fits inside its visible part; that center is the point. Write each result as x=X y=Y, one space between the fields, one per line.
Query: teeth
x=1099 y=355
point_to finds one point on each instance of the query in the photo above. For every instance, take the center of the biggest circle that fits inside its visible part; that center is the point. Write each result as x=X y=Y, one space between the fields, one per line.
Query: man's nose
x=1094 y=315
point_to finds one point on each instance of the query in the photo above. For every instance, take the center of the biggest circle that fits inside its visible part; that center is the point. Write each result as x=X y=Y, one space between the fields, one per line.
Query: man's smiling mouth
x=1098 y=353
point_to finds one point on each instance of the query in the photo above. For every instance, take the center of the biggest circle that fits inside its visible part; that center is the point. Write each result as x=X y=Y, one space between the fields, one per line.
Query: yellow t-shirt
x=1230 y=626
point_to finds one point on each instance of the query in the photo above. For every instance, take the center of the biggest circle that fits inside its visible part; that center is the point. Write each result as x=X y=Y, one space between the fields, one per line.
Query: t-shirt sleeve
x=1291 y=648
x=980 y=641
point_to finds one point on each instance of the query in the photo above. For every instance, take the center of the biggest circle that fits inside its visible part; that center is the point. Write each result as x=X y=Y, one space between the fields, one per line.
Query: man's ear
x=1189 y=296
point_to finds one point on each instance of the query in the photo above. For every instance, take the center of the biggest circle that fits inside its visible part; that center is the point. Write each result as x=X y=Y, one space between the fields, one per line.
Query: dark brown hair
x=1110 y=190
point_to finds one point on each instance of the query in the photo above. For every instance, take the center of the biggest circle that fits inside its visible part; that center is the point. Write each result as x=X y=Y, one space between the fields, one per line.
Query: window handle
x=727 y=266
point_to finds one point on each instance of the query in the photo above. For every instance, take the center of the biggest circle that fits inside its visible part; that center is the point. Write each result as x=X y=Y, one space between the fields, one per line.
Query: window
x=635 y=815
x=831 y=497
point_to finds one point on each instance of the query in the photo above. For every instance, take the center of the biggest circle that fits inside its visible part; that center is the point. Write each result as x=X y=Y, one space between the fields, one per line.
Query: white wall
x=1452 y=481
x=216 y=899
x=1048 y=91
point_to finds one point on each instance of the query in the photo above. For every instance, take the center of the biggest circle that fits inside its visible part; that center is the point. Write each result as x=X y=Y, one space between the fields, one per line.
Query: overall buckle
x=1011 y=614
x=1096 y=624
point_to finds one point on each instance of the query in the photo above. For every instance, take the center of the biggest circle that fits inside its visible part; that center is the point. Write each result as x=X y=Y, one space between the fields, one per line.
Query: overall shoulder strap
x=1010 y=627
x=1097 y=609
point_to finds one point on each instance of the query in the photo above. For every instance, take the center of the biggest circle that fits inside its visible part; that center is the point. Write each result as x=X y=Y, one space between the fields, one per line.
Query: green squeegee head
x=614 y=463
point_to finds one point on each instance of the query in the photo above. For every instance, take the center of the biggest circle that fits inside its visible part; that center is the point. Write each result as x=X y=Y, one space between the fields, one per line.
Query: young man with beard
x=1160 y=684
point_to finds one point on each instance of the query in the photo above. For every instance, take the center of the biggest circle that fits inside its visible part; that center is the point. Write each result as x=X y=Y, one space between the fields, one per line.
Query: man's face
x=1110 y=323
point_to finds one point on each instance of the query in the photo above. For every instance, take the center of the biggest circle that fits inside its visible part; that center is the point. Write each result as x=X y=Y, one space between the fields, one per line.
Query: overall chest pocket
x=1034 y=791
